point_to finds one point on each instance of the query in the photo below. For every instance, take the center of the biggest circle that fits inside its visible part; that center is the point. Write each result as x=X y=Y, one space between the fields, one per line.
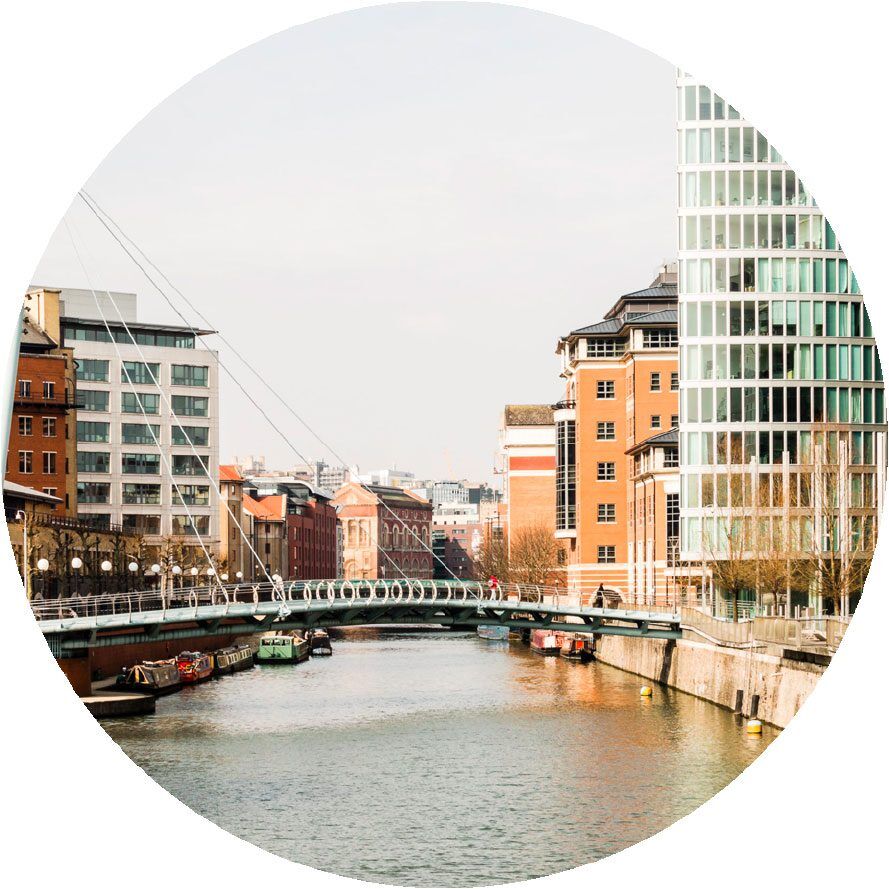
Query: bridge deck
x=99 y=621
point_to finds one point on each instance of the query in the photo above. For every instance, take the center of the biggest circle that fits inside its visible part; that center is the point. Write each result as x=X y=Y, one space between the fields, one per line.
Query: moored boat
x=233 y=659
x=576 y=648
x=319 y=644
x=284 y=649
x=546 y=642
x=194 y=667
x=151 y=677
x=493 y=632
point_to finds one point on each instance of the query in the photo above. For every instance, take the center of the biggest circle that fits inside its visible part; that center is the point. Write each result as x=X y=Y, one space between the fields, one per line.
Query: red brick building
x=42 y=439
x=311 y=533
x=386 y=532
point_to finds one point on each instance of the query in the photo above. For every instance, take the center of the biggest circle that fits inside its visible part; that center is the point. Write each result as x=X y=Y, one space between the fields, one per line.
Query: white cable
x=99 y=213
x=172 y=413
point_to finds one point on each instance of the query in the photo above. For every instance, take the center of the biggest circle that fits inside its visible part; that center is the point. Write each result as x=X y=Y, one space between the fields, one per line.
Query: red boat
x=546 y=642
x=194 y=667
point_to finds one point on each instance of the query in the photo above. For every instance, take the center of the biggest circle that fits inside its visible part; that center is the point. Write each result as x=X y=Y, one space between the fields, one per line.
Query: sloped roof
x=34 y=339
x=612 y=325
x=228 y=472
x=268 y=509
x=663 y=439
x=657 y=291
x=666 y=316
x=528 y=415
x=16 y=490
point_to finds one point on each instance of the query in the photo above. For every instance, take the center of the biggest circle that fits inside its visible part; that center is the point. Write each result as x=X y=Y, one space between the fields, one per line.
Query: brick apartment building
x=613 y=507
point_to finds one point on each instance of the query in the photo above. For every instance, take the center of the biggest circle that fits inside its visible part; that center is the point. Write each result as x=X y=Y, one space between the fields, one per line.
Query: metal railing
x=725 y=632
x=314 y=593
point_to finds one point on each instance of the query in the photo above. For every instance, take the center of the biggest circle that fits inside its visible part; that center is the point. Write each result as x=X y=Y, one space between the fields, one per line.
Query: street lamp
x=239 y=575
x=43 y=567
x=223 y=578
x=194 y=574
x=106 y=568
x=76 y=564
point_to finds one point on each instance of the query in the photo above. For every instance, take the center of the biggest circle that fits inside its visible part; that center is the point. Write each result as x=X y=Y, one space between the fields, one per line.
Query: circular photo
x=447 y=444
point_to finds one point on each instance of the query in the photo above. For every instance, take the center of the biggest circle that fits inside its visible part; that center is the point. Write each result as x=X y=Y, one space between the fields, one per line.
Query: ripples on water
x=438 y=759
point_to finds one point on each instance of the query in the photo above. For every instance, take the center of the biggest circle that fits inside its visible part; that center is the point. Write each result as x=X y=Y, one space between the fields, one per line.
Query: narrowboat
x=493 y=633
x=546 y=642
x=233 y=659
x=576 y=648
x=194 y=667
x=151 y=677
x=319 y=643
x=286 y=649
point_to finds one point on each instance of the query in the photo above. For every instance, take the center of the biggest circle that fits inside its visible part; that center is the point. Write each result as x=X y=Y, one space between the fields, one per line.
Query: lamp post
x=22 y=516
x=194 y=576
x=156 y=571
x=177 y=572
x=131 y=577
x=43 y=567
x=106 y=567
x=76 y=564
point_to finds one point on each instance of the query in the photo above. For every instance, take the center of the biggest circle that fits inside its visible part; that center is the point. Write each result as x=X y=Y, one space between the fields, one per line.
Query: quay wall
x=716 y=673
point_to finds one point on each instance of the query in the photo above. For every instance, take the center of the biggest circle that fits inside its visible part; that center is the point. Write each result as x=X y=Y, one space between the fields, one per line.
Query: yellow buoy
x=754 y=727
x=645 y=691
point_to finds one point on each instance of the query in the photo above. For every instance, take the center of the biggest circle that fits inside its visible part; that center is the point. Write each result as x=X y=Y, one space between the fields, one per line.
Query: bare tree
x=492 y=559
x=534 y=557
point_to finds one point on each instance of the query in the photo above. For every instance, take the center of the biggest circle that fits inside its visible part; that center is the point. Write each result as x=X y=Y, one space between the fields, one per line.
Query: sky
x=394 y=214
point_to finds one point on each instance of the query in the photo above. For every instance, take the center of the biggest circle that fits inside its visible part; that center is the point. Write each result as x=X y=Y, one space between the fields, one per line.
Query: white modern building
x=122 y=417
x=778 y=363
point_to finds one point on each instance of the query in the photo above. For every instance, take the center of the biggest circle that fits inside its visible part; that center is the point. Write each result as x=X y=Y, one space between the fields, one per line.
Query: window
x=655 y=421
x=49 y=390
x=130 y=401
x=192 y=495
x=53 y=492
x=190 y=405
x=671 y=459
x=655 y=382
x=98 y=334
x=605 y=348
x=674 y=381
x=49 y=462
x=660 y=339
x=138 y=523
x=87 y=430
x=605 y=430
x=140 y=492
x=674 y=421
x=139 y=433
x=605 y=472
x=49 y=427
x=94 y=519
x=605 y=555
x=26 y=461
x=24 y=388
x=189 y=375
x=199 y=436
x=92 y=370
x=606 y=514
x=605 y=389
x=93 y=400
x=140 y=464
x=188 y=464
x=93 y=461
x=93 y=492
x=139 y=372
x=196 y=525
x=25 y=426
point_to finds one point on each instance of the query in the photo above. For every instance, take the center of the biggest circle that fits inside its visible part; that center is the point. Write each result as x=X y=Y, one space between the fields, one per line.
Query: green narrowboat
x=284 y=649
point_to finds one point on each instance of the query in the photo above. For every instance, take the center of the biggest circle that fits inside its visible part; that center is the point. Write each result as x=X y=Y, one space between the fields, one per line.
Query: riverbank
x=745 y=680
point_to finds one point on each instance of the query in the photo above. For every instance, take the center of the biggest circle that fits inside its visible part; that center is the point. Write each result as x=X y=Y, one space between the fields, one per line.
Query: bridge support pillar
x=79 y=672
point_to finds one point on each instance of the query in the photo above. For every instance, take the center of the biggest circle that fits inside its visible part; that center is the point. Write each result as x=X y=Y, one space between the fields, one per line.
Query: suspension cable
x=168 y=404
x=102 y=215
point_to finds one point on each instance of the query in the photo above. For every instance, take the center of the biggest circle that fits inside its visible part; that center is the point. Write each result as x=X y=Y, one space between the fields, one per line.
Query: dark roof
x=666 y=316
x=662 y=439
x=33 y=339
x=612 y=325
x=528 y=415
x=658 y=291
x=13 y=489
x=137 y=325
x=398 y=496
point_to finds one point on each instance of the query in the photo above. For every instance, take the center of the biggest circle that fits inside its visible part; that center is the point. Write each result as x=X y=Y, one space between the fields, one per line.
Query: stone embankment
x=746 y=680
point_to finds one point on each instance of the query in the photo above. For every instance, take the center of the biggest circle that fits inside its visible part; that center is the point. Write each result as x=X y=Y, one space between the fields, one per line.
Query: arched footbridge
x=75 y=623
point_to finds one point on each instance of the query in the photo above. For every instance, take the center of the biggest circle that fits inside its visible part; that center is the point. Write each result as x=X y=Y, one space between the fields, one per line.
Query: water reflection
x=438 y=759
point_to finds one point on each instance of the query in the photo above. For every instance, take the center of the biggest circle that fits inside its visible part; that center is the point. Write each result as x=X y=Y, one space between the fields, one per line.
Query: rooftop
x=228 y=472
x=528 y=415
x=33 y=339
x=668 y=438
x=268 y=509
x=135 y=326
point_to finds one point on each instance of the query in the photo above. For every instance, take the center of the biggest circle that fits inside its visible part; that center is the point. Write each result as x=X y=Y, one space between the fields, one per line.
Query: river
x=438 y=759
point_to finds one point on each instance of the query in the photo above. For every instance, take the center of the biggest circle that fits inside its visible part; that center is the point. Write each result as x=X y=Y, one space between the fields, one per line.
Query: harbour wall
x=716 y=673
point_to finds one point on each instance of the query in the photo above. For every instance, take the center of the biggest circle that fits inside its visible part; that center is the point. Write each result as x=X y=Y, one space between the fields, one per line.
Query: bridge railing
x=291 y=594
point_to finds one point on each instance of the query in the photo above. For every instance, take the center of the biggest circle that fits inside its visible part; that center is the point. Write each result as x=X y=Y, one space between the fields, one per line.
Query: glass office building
x=780 y=374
